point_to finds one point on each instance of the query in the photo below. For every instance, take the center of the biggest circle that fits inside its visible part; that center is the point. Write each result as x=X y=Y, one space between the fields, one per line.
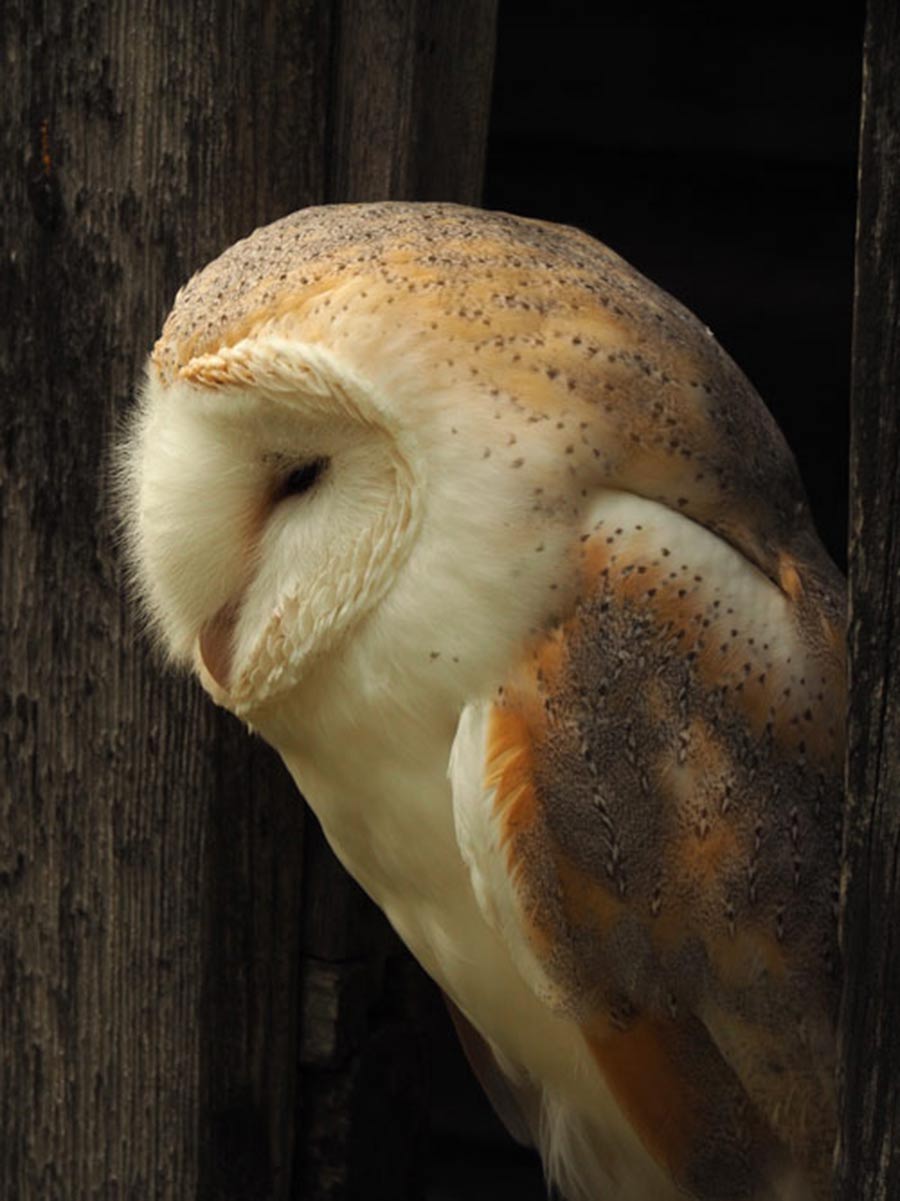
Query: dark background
x=714 y=146
x=716 y=150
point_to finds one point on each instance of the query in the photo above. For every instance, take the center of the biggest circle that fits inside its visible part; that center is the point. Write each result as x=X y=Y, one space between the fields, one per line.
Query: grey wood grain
x=869 y=1161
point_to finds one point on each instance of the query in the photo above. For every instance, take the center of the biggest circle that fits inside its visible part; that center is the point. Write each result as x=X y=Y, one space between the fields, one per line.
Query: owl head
x=371 y=439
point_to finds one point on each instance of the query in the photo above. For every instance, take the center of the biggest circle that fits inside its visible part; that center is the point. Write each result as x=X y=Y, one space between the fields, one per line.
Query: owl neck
x=372 y=764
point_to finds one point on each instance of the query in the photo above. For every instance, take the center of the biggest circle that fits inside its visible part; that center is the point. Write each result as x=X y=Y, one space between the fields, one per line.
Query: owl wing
x=650 y=811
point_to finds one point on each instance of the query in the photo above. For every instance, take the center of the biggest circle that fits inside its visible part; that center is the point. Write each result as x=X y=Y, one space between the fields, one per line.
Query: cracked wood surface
x=869 y=1161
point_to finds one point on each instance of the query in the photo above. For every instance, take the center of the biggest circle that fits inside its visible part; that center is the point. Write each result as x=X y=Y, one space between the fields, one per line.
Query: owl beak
x=214 y=652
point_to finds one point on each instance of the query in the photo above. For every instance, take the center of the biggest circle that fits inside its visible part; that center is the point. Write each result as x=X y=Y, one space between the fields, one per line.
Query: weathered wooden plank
x=455 y=72
x=869 y=1162
x=149 y=857
x=416 y=128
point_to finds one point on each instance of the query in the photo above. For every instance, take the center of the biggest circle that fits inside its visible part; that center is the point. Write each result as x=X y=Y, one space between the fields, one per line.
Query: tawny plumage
x=488 y=536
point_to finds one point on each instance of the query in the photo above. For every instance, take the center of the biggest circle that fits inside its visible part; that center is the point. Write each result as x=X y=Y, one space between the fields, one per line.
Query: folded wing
x=650 y=810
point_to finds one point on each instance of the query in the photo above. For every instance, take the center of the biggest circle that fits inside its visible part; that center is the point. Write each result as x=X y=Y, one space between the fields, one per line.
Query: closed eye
x=303 y=478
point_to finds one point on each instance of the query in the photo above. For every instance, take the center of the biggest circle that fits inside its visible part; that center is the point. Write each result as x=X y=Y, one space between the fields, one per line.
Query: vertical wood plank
x=412 y=96
x=141 y=1008
x=869 y=1079
x=455 y=46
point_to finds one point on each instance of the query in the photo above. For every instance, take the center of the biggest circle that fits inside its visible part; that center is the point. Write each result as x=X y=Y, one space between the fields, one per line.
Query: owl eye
x=303 y=478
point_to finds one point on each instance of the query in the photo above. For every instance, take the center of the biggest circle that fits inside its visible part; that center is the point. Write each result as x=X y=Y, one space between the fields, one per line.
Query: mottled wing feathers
x=658 y=828
x=686 y=1104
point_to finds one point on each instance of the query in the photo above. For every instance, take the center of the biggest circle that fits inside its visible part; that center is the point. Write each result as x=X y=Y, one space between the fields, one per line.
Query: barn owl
x=492 y=541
